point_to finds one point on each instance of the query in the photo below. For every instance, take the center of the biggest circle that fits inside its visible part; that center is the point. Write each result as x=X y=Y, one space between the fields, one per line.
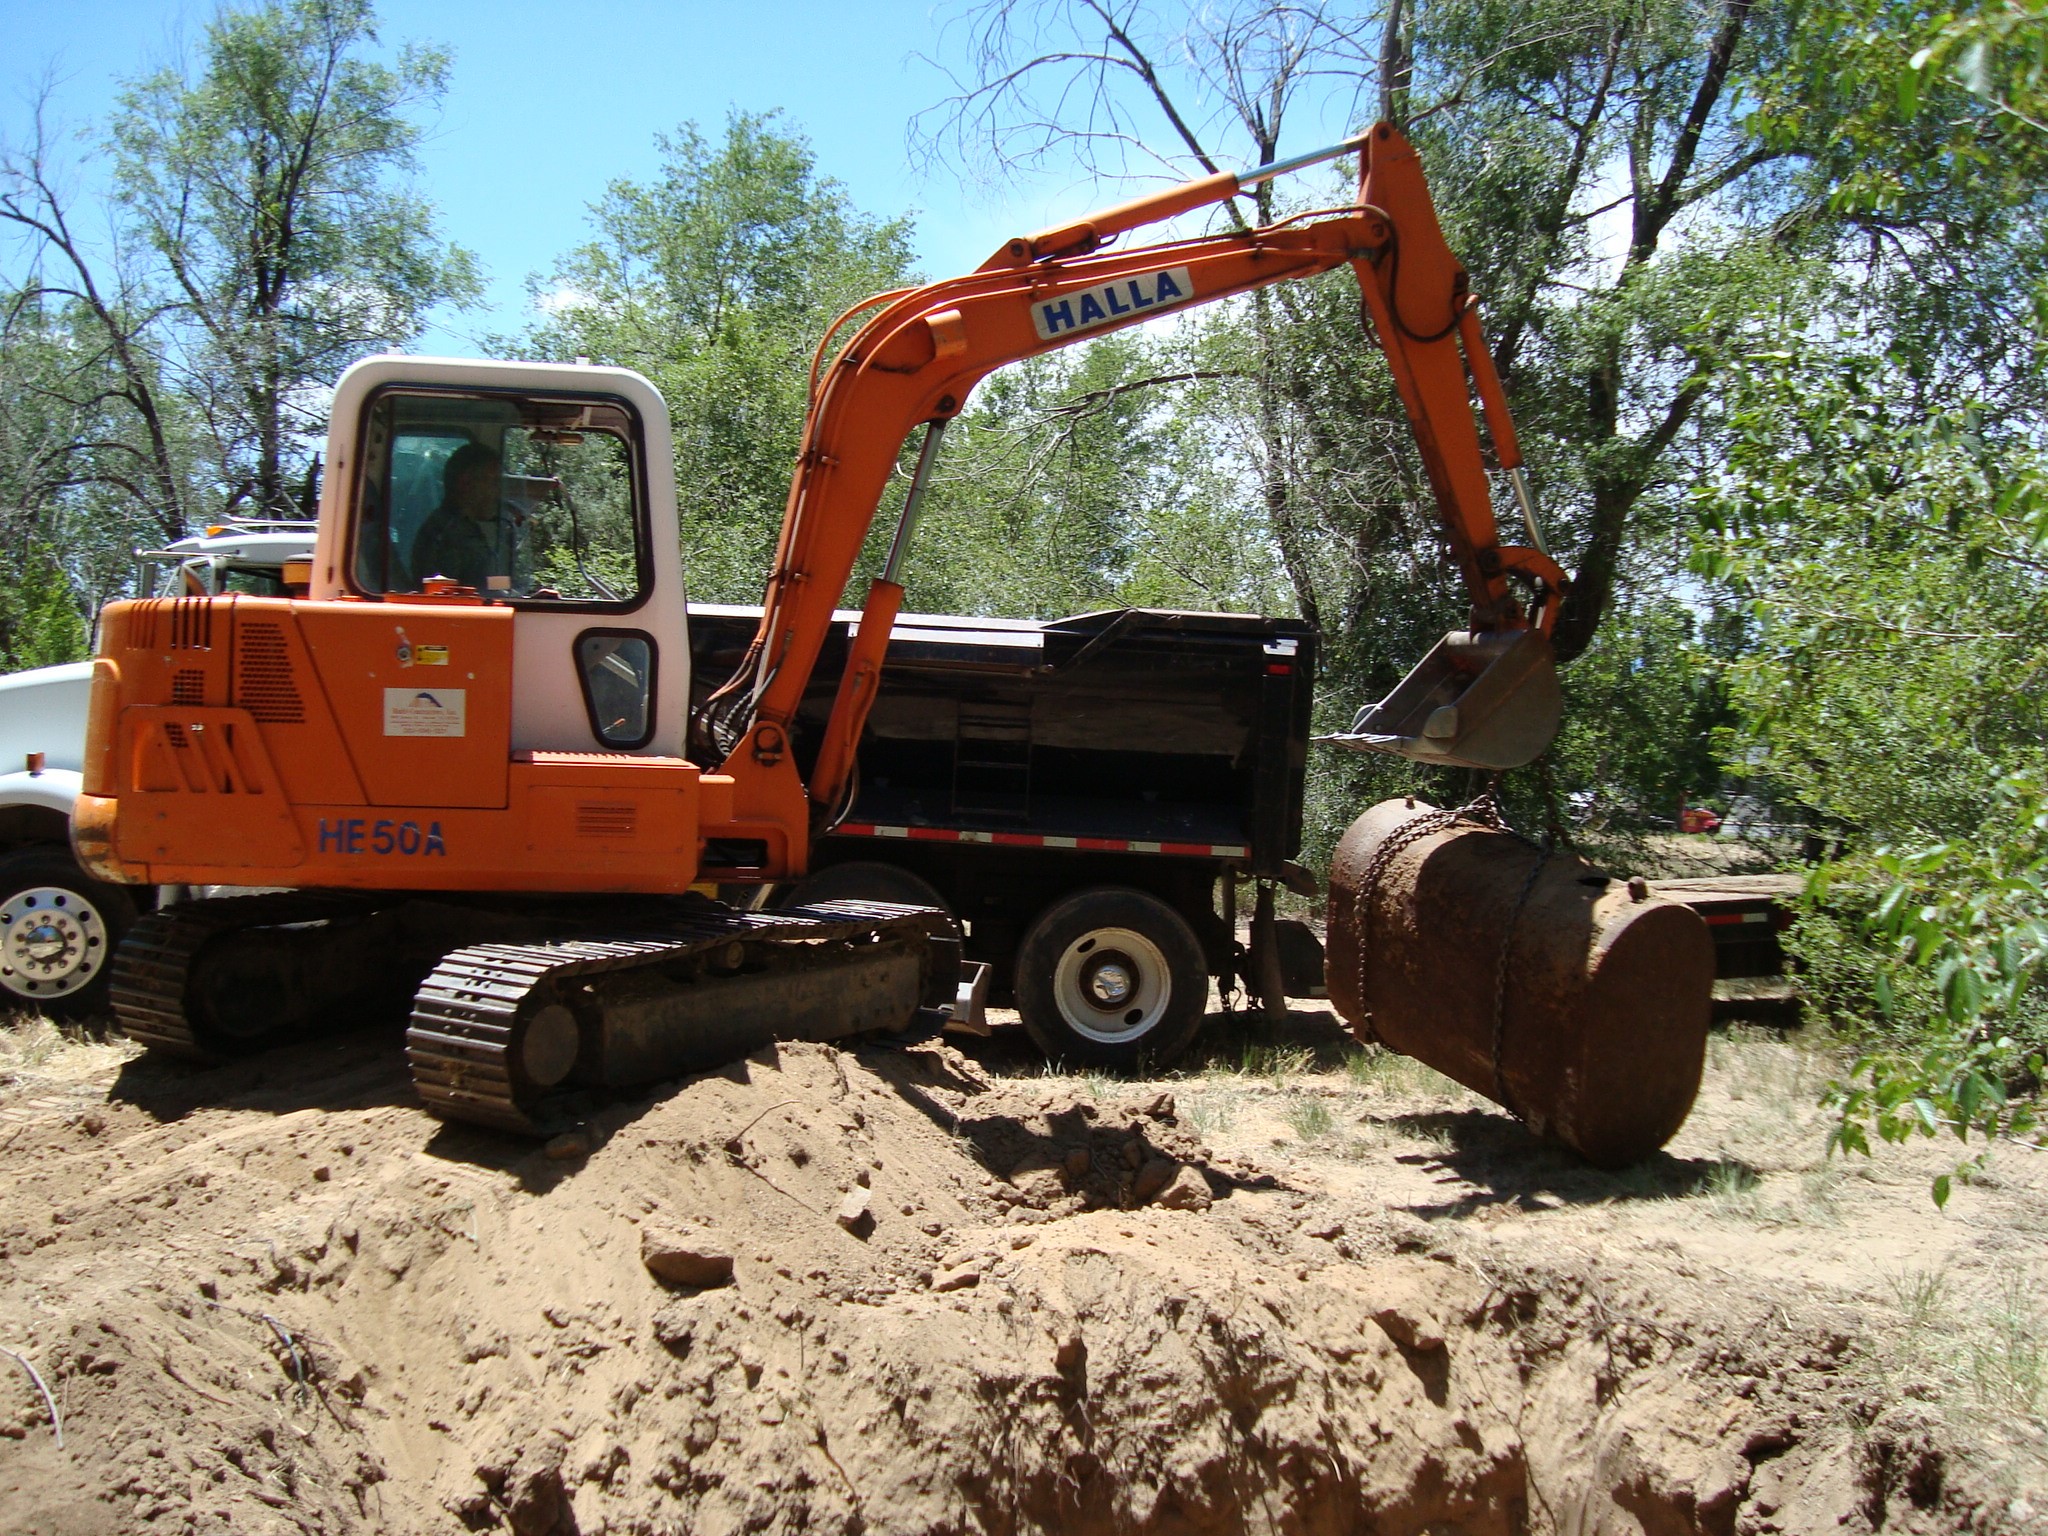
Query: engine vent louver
x=192 y=624
x=144 y=625
x=264 y=684
x=605 y=819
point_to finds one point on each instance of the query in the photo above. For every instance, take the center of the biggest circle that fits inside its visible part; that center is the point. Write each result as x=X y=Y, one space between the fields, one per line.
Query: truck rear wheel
x=1111 y=977
x=58 y=929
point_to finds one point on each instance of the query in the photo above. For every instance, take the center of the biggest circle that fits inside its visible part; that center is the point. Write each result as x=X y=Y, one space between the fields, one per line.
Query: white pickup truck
x=59 y=926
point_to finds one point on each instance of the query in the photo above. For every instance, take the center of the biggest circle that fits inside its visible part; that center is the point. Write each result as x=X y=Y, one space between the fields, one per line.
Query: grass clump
x=1310 y=1119
x=1985 y=1353
x=31 y=1047
x=1398 y=1076
x=1275 y=1063
x=1209 y=1114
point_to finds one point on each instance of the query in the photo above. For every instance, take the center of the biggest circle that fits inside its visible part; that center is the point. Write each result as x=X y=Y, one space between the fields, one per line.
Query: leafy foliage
x=267 y=184
x=1092 y=478
x=1960 y=931
x=1892 y=570
x=716 y=281
x=264 y=236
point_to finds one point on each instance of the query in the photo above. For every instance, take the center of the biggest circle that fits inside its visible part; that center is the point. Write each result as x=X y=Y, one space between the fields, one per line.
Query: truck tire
x=58 y=929
x=1111 y=977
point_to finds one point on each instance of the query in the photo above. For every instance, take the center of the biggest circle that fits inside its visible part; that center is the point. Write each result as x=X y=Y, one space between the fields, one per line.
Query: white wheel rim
x=1112 y=985
x=52 y=943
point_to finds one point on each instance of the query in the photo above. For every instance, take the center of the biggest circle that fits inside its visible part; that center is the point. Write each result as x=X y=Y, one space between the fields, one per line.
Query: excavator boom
x=917 y=358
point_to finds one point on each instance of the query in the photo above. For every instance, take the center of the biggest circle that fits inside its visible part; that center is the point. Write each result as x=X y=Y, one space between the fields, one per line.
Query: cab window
x=519 y=498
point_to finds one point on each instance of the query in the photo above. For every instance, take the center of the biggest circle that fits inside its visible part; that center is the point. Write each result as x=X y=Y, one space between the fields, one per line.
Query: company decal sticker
x=424 y=711
x=410 y=655
x=359 y=835
x=1089 y=307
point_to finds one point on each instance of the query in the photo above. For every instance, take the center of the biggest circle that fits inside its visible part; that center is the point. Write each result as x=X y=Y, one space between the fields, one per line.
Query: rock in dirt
x=1403 y=1310
x=1040 y=1177
x=853 y=1209
x=1189 y=1191
x=535 y=1504
x=684 y=1256
x=676 y=1325
x=570 y=1144
x=1152 y=1180
x=959 y=1277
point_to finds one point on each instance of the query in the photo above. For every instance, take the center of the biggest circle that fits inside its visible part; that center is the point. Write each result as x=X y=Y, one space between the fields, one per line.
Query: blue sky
x=546 y=105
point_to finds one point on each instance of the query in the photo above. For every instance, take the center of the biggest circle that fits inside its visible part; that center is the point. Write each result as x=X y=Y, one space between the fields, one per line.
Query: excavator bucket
x=1478 y=700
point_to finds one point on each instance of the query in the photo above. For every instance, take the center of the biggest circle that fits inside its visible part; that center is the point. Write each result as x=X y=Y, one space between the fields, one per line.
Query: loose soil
x=1297 y=1287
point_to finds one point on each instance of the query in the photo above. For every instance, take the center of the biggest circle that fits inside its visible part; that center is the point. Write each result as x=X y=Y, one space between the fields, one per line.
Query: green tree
x=84 y=337
x=1884 y=517
x=1083 y=479
x=1528 y=118
x=1896 y=577
x=267 y=179
x=716 y=280
x=75 y=475
x=1641 y=192
x=1593 y=167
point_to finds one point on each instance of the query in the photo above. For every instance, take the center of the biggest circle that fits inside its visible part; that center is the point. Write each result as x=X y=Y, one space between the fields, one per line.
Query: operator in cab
x=475 y=537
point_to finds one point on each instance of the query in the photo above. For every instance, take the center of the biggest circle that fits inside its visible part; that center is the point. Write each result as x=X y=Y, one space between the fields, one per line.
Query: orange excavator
x=463 y=760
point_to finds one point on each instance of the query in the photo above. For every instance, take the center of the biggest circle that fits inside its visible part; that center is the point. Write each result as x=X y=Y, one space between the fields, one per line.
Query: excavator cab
x=538 y=488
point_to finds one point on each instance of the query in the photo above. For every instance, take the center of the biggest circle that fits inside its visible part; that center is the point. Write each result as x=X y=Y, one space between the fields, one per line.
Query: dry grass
x=32 y=1050
x=1397 y=1076
x=1274 y=1063
x=1982 y=1351
x=1210 y=1113
x=1310 y=1119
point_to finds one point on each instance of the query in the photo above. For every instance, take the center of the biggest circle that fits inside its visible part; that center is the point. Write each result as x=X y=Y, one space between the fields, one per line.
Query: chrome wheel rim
x=53 y=942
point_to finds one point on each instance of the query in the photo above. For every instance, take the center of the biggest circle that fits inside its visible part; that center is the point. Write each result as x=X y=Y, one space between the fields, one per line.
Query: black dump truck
x=1090 y=797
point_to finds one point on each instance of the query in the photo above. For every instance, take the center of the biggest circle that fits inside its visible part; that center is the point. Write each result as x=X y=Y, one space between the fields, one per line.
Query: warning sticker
x=424 y=711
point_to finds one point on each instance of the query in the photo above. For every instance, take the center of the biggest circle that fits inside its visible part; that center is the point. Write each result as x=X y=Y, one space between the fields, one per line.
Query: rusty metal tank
x=1578 y=1001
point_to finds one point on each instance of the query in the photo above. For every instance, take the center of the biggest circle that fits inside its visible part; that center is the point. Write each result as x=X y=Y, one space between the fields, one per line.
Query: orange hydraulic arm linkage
x=918 y=357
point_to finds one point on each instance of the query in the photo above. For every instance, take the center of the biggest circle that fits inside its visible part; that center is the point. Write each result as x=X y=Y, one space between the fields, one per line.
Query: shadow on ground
x=1494 y=1160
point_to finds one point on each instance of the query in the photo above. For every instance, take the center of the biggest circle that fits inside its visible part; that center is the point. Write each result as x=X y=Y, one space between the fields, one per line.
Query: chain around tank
x=152 y=969
x=1483 y=810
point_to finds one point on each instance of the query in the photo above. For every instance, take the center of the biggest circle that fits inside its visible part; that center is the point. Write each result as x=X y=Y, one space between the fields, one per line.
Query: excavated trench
x=855 y=1292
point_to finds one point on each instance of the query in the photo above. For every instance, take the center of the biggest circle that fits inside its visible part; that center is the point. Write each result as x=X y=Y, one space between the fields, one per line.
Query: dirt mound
x=852 y=1291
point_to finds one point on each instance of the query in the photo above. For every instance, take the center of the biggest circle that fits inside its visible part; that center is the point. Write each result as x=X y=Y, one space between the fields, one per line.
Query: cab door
x=544 y=488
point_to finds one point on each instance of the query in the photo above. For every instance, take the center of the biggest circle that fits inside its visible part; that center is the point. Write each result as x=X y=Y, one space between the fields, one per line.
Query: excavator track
x=151 y=987
x=496 y=1027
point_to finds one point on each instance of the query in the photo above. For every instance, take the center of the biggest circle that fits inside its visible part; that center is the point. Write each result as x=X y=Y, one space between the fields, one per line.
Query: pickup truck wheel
x=1111 y=977
x=58 y=929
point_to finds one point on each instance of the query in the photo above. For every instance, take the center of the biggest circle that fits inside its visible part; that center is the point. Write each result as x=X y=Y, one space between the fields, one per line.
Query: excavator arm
x=921 y=352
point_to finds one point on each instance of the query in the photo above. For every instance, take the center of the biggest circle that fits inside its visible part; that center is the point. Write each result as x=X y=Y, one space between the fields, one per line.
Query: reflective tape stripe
x=1041 y=840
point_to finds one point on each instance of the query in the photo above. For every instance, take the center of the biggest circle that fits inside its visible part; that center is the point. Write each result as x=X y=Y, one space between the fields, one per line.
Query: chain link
x=1483 y=810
